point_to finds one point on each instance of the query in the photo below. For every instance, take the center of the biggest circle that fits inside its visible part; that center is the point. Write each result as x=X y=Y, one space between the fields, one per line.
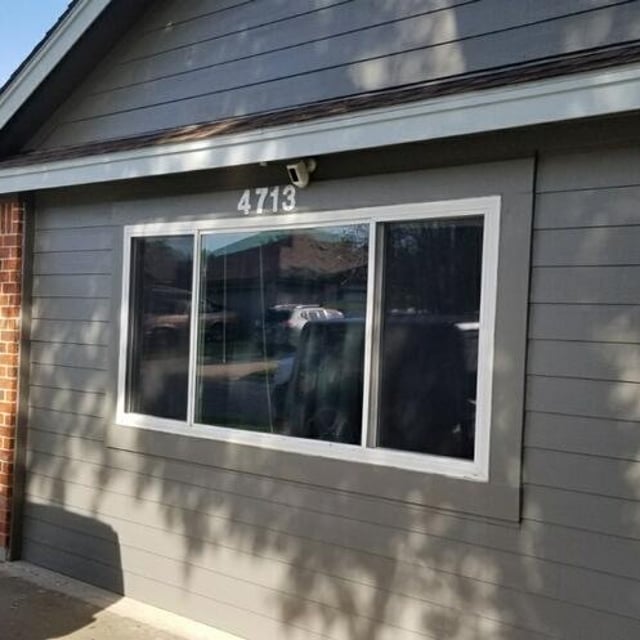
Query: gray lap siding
x=266 y=557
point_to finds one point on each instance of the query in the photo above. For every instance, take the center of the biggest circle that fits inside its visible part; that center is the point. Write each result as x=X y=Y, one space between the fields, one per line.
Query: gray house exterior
x=139 y=122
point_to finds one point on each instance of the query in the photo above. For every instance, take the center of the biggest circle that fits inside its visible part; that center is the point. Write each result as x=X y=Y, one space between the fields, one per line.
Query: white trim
x=478 y=469
x=124 y=322
x=565 y=98
x=57 y=45
x=369 y=335
x=193 y=327
x=486 y=338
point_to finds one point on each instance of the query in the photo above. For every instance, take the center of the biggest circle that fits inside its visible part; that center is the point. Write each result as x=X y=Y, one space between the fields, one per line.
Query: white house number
x=267 y=200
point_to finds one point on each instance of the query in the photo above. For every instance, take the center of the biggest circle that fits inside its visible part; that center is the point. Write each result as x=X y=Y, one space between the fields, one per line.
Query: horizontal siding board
x=71 y=378
x=589 y=170
x=71 y=331
x=601 y=361
x=345 y=34
x=583 y=473
x=599 y=247
x=80 y=542
x=87 y=569
x=598 y=514
x=583 y=322
x=604 y=592
x=86 y=427
x=69 y=355
x=255 y=29
x=590 y=398
x=266 y=87
x=72 y=286
x=91 y=309
x=80 y=402
x=56 y=240
x=586 y=285
x=72 y=262
x=567 y=545
x=227 y=13
x=247 y=17
x=173 y=13
x=585 y=435
x=588 y=208
x=61 y=210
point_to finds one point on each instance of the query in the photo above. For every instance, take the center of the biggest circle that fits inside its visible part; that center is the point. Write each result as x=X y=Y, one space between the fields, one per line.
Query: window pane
x=429 y=351
x=160 y=312
x=281 y=331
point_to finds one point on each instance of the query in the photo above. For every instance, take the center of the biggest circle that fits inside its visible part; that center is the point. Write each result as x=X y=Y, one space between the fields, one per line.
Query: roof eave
x=567 y=98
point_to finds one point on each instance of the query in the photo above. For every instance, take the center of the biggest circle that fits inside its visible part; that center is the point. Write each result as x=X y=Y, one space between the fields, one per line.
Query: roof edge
x=610 y=91
x=47 y=54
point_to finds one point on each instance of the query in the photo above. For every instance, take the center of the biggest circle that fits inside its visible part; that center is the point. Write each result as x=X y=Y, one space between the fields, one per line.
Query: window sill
x=351 y=453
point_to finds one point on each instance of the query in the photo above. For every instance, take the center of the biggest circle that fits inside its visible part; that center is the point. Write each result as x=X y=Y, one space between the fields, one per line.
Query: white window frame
x=476 y=469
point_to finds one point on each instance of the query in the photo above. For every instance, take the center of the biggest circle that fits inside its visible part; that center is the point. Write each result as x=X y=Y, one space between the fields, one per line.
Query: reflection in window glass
x=429 y=351
x=160 y=312
x=281 y=331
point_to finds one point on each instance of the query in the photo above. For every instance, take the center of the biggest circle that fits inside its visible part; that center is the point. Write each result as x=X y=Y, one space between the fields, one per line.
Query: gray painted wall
x=198 y=61
x=265 y=557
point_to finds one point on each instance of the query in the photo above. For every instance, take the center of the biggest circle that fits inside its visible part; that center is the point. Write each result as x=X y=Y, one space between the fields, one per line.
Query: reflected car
x=303 y=314
x=283 y=324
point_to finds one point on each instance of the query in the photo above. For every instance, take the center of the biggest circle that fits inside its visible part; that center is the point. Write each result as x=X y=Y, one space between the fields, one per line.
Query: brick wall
x=11 y=226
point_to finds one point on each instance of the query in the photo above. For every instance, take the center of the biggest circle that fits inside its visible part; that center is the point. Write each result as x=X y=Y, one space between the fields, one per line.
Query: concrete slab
x=36 y=604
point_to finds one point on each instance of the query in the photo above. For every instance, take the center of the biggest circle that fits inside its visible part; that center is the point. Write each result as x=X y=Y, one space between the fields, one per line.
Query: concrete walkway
x=36 y=604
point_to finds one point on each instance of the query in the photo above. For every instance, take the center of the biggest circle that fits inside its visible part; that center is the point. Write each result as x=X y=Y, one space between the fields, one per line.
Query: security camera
x=300 y=171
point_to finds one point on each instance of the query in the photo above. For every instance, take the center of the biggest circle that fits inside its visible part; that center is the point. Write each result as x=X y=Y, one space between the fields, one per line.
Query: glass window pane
x=281 y=331
x=160 y=313
x=429 y=350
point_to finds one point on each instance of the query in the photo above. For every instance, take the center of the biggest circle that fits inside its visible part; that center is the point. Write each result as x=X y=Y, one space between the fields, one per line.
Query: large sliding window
x=365 y=336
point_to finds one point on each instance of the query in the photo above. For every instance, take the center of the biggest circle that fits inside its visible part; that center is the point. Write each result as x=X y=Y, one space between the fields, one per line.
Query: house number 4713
x=266 y=200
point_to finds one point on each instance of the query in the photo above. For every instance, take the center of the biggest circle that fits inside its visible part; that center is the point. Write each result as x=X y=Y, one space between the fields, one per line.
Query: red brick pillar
x=11 y=227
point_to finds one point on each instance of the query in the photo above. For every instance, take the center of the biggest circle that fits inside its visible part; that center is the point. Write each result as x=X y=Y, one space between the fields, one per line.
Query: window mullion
x=372 y=338
x=193 y=328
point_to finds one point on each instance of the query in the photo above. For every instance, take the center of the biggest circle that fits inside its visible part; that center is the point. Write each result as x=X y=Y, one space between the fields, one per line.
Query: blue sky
x=22 y=25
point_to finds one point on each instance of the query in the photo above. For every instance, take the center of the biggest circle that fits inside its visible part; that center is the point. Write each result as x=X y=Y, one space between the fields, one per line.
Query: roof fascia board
x=56 y=46
x=599 y=93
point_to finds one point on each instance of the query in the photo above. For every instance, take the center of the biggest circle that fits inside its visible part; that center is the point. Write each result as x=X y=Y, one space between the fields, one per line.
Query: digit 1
x=274 y=194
